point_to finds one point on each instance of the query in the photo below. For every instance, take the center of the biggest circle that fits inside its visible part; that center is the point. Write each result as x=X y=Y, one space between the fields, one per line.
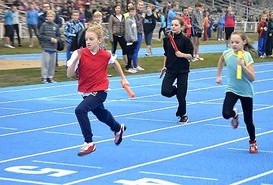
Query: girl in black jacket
x=176 y=65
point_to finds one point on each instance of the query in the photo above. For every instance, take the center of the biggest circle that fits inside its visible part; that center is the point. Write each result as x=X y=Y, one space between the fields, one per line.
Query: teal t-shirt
x=242 y=87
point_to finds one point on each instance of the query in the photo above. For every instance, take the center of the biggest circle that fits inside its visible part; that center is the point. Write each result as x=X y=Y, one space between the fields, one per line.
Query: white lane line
x=160 y=142
x=253 y=178
x=66 y=164
x=8 y=128
x=26 y=181
x=69 y=134
x=229 y=126
x=163 y=159
x=244 y=149
x=180 y=176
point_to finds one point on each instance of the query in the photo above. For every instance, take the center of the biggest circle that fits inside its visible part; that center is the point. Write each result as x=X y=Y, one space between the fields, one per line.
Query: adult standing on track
x=239 y=86
x=177 y=65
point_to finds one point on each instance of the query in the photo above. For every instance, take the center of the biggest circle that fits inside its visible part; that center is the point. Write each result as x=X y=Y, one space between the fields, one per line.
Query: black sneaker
x=183 y=119
x=119 y=134
x=49 y=80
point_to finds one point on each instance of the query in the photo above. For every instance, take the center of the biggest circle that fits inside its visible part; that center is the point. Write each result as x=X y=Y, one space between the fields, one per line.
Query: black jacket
x=173 y=63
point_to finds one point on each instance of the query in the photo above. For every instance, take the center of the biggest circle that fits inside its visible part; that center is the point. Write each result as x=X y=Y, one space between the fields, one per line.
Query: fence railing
x=248 y=27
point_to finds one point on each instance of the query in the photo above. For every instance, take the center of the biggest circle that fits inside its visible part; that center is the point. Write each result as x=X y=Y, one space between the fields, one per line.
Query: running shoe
x=253 y=147
x=87 y=148
x=119 y=134
x=235 y=119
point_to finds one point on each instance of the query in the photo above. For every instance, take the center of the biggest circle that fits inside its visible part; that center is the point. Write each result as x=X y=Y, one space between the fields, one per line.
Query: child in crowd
x=131 y=38
x=239 y=87
x=262 y=31
x=49 y=34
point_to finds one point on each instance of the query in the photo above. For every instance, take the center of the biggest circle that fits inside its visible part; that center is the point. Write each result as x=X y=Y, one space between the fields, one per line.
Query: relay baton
x=129 y=91
x=239 y=67
x=162 y=72
x=172 y=42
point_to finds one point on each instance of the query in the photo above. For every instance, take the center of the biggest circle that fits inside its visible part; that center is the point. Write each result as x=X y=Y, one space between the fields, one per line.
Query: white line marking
x=163 y=159
x=229 y=126
x=158 y=142
x=244 y=149
x=26 y=181
x=8 y=128
x=155 y=120
x=253 y=178
x=66 y=164
x=69 y=134
x=8 y=108
x=180 y=176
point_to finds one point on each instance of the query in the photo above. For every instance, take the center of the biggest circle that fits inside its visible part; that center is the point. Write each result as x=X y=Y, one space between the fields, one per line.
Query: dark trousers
x=94 y=103
x=130 y=52
x=247 y=106
x=122 y=42
x=16 y=29
x=169 y=90
x=269 y=45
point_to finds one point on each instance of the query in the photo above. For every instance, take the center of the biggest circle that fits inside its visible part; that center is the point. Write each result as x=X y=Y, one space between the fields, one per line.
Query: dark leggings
x=94 y=103
x=247 y=106
x=169 y=90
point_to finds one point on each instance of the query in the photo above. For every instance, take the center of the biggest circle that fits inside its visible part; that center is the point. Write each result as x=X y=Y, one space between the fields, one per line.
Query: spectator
x=15 y=24
x=131 y=38
x=32 y=22
x=139 y=22
x=229 y=23
x=162 y=24
x=171 y=14
x=65 y=13
x=149 y=24
x=117 y=31
x=269 y=41
x=71 y=30
x=220 y=28
x=187 y=21
x=262 y=31
x=197 y=28
x=8 y=17
x=49 y=36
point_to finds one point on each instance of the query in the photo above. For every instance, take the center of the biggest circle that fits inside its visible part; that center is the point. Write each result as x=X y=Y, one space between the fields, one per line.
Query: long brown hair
x=248 y=46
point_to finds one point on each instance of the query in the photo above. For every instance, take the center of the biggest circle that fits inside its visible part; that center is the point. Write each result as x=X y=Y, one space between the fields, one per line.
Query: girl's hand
x=124 y=82
x=240 y=62
x=219 y=79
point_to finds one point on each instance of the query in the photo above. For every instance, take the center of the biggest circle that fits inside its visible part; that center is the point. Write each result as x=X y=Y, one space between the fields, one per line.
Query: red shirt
x=187 y=22
x=229 y=21
x=92 y=70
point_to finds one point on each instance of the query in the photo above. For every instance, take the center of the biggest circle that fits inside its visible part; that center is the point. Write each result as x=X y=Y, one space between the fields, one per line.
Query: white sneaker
x=30 y=46
x=138 y=68
x=131 y=70
x=9 y=46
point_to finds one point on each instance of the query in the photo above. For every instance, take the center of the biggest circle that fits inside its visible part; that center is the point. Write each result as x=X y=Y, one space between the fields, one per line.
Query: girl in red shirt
x=91 y=63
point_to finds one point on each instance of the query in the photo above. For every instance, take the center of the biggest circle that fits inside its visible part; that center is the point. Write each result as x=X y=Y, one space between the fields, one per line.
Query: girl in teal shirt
x=239 y=88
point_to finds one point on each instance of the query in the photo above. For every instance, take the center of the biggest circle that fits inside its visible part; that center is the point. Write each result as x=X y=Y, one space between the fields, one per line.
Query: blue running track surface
x=40 y=136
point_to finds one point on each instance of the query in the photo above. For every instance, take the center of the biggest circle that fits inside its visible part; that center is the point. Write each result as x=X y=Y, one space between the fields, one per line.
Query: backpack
x=79 y=40
x=60 y=44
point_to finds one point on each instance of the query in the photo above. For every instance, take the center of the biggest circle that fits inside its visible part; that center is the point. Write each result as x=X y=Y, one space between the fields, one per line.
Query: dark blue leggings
x=94 y=103
x=247 y=106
